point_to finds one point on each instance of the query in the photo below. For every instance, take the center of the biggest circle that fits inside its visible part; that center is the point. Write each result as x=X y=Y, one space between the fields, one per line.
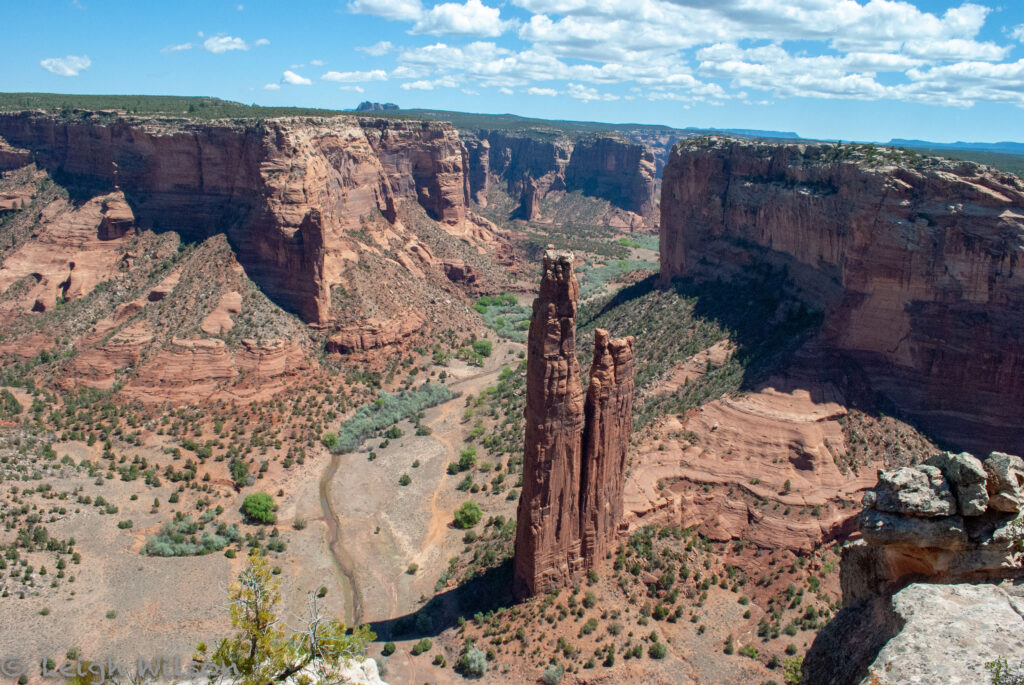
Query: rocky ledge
x=933 y=590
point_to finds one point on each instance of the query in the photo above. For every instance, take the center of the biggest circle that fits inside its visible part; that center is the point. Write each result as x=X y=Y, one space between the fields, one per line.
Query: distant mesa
x=367 y=106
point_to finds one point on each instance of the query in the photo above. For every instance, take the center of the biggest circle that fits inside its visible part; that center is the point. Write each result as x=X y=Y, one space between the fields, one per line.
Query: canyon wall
x=284 y=191
x=574 y=455
x=915 y=261
x=531 y=164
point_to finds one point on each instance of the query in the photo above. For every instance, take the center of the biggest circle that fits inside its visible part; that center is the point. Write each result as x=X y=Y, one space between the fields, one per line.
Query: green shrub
x=657 y=651
x=330 y=440
x=404 y=479
x=123 y=525
x=483 y=347
x=422 y=646
x=386 y=411
x=9 y=405
x=181 y=538
x=552 y=674
x=472 y=663
x=259 y=507
x=468 y=515
x=388 y=649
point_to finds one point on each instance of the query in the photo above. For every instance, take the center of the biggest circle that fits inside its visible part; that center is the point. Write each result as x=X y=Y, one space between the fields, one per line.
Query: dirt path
x=439 y=517
x=345 y=566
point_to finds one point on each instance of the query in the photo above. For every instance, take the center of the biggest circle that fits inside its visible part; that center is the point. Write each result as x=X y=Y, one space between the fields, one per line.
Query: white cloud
x=272 y=86
x=221 y=44
x=588 y=94
x=355 y=76
x=430 y=85
x=240 y=8
x=405 y=10
x=550 y=92
x=1017 y=33
x=262 y=41
x=355 y=89
x=316 y=62
x=506 y=91
x=294 y=79
x=378 y=49
x=176 y=48
x=471 y=19
x=67 y=66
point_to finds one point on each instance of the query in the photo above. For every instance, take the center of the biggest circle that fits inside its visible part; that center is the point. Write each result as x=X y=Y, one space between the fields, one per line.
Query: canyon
x=915 y=262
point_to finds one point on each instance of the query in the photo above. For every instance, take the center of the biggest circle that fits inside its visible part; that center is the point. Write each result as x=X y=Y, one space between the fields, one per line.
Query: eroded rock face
x=926 y=522
x=284 y=191
x=608 y=419
x=547 y=536
x=575 y=451
x=915 y=263
x=533 y=164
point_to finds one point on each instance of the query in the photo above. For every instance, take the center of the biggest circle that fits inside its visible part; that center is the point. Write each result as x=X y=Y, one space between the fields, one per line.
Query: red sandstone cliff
x=575 y=453
x=284 y=191
x=916 y=263
x=531 y=164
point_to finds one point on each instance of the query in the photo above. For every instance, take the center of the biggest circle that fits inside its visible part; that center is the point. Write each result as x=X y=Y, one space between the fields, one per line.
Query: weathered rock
x=1005 y=482
x=914 y=490
x=914 y=263
x=284 y=191
x=547 y=547
x=532 y=164
x=574 y=455
x=880 y=528
x=922 y=635
x=967 y=478
x=608 y=418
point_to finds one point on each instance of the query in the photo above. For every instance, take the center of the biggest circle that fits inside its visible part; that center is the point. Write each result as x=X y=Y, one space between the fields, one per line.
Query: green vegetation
x=386 y=411
x=472 y=663
x=404 y=479
x=468 y=515
x=9 y=405
x=504 y=316
x=181 y=537
x=263 y=651
x=259 y=507
x=1003 y=673
x=424 y=645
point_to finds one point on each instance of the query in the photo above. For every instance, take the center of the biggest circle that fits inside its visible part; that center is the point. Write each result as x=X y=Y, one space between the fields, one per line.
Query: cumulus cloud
x=317 y=62
x=378 y=49
x=408 y=10
x=355 y=76
x=470 y=19
x=550 y=92
x=67 y=66
x=177 y=48
x=702 y=51
x=221 y=44
x=445 y=82
x=295 y=79
x=355 y=89
x=261 y=41
x=272 y=86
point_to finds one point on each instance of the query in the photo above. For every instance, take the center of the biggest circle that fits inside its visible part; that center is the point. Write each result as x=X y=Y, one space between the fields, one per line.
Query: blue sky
x=848 y=69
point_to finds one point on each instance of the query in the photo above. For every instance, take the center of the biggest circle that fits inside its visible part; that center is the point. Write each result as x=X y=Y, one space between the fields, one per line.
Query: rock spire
x=575 y=451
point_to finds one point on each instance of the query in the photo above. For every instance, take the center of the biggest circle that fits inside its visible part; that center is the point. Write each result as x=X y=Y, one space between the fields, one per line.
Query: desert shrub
x=123 y=525
x=422 y=646
x=330 y=440
x=468 y=515
x=386 y=411
x=472 y=663
x=483 y=347
x=181 y=538
x=657 y=650
x=552 y=674
x=388 y=649
x=259 y=507
x=404 y=479
x=9 y=405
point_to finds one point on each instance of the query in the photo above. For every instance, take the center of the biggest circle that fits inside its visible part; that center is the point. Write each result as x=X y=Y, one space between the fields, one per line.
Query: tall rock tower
x=573 y=473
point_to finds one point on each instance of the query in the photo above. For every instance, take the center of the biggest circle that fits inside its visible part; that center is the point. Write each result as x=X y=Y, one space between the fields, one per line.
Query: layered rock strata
x=286 y=192
x=575 y=450
x=916 y=263
x=944 y=523
x=532 y=164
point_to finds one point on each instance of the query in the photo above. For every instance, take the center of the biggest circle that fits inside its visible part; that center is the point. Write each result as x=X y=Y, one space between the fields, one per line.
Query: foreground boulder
x=909 y=615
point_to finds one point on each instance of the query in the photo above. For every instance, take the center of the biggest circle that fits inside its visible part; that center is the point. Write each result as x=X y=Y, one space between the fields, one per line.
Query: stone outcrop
x=286 y=192
x=927 y=524
x=915 y=262
x=531 y=164
x=574 y=453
